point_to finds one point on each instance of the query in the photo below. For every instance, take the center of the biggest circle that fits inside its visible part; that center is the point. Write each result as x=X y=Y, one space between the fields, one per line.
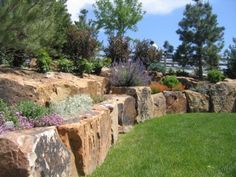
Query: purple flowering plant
x=131 y=73
x=19 y=121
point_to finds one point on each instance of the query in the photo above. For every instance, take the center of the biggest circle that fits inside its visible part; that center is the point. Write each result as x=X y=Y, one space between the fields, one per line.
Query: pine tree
x=232 y=60
x=202 y=38
x=27 y=26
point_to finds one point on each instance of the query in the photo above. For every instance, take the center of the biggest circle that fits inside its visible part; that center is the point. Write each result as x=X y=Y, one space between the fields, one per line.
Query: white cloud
x=74 y=6
x=150 y=6
x=163 y=6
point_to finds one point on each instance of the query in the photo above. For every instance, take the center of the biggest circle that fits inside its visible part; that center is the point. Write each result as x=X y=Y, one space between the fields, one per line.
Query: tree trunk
x=200 y=69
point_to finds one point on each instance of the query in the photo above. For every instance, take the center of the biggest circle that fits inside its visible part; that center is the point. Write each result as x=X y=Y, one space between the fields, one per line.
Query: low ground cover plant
x=168 y=83
x=72 y=106
x=157 y=87
x=25 y=115
x=31 y=110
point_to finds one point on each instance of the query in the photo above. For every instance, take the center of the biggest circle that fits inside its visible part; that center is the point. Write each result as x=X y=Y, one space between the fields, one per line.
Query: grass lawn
x=188 y=145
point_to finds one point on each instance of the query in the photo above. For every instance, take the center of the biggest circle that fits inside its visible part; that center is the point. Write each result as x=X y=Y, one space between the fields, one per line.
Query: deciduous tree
x=118 y=16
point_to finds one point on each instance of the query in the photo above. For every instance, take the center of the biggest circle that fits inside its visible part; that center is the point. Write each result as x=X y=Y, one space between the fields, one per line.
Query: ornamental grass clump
x=125 y=74
x=72 y=106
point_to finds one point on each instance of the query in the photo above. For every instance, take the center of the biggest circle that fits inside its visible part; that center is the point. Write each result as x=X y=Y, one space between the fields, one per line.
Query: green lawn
x=189 y=145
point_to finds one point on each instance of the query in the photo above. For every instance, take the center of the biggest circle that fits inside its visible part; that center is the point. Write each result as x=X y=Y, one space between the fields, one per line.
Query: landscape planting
x=83 y=97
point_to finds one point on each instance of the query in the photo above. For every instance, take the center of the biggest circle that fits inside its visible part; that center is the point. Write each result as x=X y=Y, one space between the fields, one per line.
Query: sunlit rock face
x=36 y=152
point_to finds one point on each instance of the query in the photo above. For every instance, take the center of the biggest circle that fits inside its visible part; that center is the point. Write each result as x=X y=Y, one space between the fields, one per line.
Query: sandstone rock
x=144 y=103
x=175 y=102
x=34 y=153
x=159 y=105
x=124 y=112
x=89 y=140
x=156 y=76
x=105 y=72
x=197 y=102
x=21 y=85
x=188 y=82
x=223 y=97
x=114 y=120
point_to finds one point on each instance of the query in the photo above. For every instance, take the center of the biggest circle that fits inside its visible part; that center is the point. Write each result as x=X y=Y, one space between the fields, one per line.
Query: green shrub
x=171 y=72
x=156 y=66
x=31 y=110
x=98 y=64
x=182 y=73
x=84 y=66
x=43 y=61
x=65 y=65
x=215 y=76
x=6 y=112
x=98 y=98
x=170 y=81
x=72 y=106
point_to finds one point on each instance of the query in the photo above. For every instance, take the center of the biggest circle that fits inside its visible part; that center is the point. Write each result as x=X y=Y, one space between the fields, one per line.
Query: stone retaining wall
x=79 y=147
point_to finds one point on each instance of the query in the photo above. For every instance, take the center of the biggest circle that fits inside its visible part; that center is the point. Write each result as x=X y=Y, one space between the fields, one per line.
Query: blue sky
x=161 y=20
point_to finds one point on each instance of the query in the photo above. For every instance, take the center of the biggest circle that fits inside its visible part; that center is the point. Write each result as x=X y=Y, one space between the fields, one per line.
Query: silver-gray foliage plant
x=72 y=106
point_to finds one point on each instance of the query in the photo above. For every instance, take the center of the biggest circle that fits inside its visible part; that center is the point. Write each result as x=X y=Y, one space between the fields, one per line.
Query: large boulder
x=124 y=112
x=144 y=102
x=159 y=104
x=223 y=96
x=34 y=153
x=197 y=102
x=188 y=82
x=46 y=88
x=89 y=139
x=175 y=102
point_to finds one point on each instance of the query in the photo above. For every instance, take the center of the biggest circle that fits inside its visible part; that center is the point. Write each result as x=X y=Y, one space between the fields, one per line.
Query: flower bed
x=27 y=114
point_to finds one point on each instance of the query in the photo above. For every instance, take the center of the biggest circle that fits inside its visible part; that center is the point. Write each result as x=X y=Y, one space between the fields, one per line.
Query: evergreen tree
x=202 y=38
x=168 y=50
x=183 y=55
x=118 y=16
x=231 y=72
x=27 y=26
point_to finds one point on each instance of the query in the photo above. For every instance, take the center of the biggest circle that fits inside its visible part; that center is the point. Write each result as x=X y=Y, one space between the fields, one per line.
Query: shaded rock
x=46 y=88
x=223 y=97
x=89 y=140
x=144 y=102
x=188 y=82
x=159 y=105
x=156 y=76
x=197 y=102
x=34 y=153
x=175 y=102
x=124 y=112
